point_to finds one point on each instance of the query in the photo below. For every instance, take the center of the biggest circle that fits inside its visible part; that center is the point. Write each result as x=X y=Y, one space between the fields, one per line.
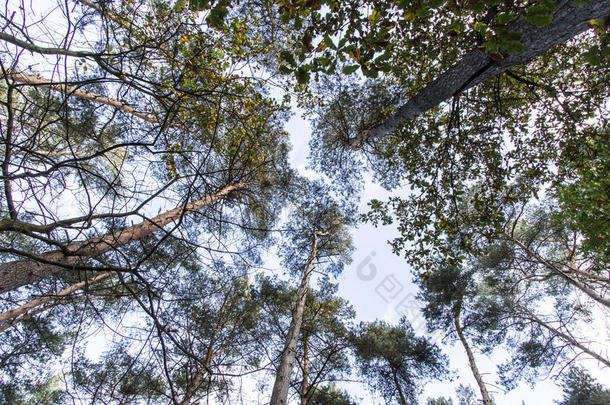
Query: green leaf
x=328 y=41
x=456 y=26
x=434 y=3
x=507 y=35
x=505 y=18
x=372 y=73
x=302 y=76
x=539 y=19
x=423 y=13
x=480 y=27
x=592 y=56
x=374 y=17
x=513 y=47
x=285 y=70
x=288 y=57
x=198 y=5
x=350 y=69
x=179 y=6
x=217 y=16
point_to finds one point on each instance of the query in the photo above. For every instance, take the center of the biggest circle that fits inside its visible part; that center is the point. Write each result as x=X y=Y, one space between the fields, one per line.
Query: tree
x=513 y=295
x=447 y=294
x=144 y=170
x=201 y=335
x=439 y=401
x=394 y=360
x=581 y=192
x=466 y=395
x=17 y=274
x=535 y=32
x=454 y=145
x=580 y=388
x=528 y=304
x=188 y=127
x=142 y=119
x=322 y=350
x=330 y=395
x=321 y=221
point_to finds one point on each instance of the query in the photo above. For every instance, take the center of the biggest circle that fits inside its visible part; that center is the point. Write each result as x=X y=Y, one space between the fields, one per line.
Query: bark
x=201 y=372
x=279 y=395
x=84 y=94
x=477 y=67
x=5 y=316
x=401 y=395
x=581 y=286
x=473 y=364
x=305 y=385
x=45 y=50
x=564 y=336
x=19 y=273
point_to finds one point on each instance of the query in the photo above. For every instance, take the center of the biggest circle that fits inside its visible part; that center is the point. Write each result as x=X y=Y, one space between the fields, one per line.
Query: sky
x=379 y=287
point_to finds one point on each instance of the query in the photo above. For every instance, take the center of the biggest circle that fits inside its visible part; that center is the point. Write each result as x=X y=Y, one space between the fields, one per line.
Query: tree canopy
x=149 y=200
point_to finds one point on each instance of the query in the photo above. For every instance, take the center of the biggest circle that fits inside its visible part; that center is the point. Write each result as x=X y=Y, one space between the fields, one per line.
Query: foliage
x=394 y=360
x=580 y=388
x=393 y=36
x=323 y=339
x=131 y=109
x=439 y=401
x=583 y=192
x=316 y=210
x=466 y=395
x=330 y=395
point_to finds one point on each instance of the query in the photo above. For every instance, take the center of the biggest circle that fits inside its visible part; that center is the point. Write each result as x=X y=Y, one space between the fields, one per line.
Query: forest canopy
x=159 y=246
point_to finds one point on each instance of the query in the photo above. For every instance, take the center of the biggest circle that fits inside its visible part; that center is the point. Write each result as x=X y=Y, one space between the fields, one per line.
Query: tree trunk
x=14 y=313
x=590 y=292
x=564 y=336
x=477 y=67
x=403 y=399
x=473 y=365
x=279 y=395
x=84 y=94
x=305 y=385
x=19 y=273
x=196 y=383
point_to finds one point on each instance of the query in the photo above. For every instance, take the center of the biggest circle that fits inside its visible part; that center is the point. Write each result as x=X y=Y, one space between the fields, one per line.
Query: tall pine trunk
x=279 y=395
x=19 y=273
x=473 y=364
x=477 y=66
x=305 y=386
x=401 y=394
